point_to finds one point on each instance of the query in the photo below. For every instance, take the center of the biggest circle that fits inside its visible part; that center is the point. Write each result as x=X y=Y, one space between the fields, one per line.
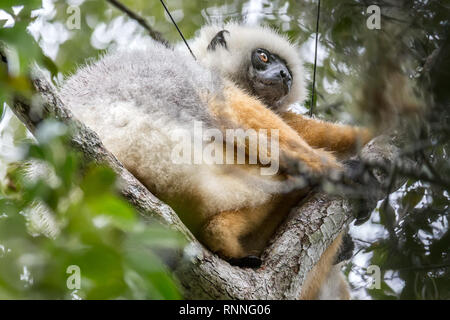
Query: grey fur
x=149 y=77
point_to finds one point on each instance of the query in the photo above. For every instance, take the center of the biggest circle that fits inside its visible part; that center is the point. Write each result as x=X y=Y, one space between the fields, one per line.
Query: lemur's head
x=258 y=59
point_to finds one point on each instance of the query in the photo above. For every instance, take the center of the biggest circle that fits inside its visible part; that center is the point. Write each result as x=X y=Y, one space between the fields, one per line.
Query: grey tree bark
x=296 y=247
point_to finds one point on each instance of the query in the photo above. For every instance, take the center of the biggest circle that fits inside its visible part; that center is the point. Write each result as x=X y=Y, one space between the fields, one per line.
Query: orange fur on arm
x=341 y=139
x=241 y=110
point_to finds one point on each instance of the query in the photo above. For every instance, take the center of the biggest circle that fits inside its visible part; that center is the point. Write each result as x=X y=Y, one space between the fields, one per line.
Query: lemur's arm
x=224 y=232
x=243 y=111
x=341 y=139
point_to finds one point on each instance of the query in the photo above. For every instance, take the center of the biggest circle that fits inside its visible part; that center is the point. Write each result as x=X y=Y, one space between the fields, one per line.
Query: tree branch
x=296 y=247
x=156 y=35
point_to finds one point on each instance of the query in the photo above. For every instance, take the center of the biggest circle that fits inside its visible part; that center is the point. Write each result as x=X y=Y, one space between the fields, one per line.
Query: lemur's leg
x=341 y=139
x=240 y=110
x=244 y=233
x=223 y=233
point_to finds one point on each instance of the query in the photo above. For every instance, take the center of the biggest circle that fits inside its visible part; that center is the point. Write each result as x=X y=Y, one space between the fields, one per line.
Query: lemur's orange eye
x=263 y=57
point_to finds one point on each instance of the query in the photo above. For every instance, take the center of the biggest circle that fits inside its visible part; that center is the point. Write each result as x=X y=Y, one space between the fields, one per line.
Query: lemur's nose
x=286 y=77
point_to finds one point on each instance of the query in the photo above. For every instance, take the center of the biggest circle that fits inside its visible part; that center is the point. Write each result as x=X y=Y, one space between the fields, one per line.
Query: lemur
x=138 y=100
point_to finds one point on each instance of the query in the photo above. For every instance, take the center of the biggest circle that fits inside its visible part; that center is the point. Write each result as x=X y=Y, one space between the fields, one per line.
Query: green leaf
x=32 y=4
x=156 y=236
x=384 y=293
x=120 y=213
x=157 y=282
x=413 y=197
x=380 y=254
x=387 y=215
x=98 y=180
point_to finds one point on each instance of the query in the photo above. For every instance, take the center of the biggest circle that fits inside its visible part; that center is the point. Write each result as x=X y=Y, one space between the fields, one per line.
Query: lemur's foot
x=253 y=262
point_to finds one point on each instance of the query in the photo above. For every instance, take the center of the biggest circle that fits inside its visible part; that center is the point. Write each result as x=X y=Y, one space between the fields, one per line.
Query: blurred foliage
x=412 y=245
x=62 y=215
x=408 y=234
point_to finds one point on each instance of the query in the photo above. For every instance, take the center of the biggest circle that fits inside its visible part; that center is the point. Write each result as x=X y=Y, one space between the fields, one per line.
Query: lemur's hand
x=313 y=171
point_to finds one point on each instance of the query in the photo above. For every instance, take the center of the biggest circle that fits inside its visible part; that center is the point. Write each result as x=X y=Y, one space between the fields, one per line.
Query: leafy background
x=78 y=218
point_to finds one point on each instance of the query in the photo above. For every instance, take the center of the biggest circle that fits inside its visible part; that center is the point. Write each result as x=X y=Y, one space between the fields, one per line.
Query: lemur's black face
x=269 y=77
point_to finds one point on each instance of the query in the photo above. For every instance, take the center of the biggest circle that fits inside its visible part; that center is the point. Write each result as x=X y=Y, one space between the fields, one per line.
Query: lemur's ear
x=219 y=39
